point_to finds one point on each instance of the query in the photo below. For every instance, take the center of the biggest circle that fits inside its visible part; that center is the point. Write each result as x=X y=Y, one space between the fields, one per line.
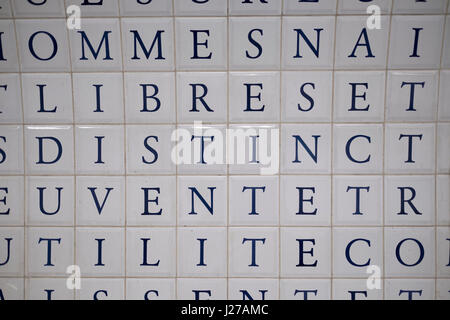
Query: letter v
x=97 y=204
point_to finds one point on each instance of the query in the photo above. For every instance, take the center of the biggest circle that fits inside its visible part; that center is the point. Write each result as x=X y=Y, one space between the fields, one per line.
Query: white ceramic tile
x=105 y=149
x=150 y=97
x=443 y=148
x=148 y=44
x=47 y=98
x=98 y=98
x=412 y=96
x=305 y=289
x=202 y=96
x=50 y=8
x=201 y=43
x=357 y=200
x=101 y=289
x=414 y=40
x=5 y=8
x=47 y=289
x=253 y=7
x=261 y=143
x=11 y=150
x=194 y=145
x=151 y=201
x=202 y=201
x=100 y=201
x=49 y=150
x=43 y=45
x=255 y=97
x=49 y=251
x=358 y=47
x=295 y=7
x=150 y=289
x=50 y=201
x=201 y=8
x=443 y=203
x=446 y=52
x=442 y=250
x=202 y=252
x=306 y=148
x=409 y=148
x=100 y=251
x=355 y=249
x=12 y=251
x=306 y=252
x=253 y=289
x=409 y=289
x=253 y=252
x=422 y=7
x=201 y=289
x=145 y=8
x=11 y=105
x=359 y=97
x=12 y=288
x=256 y=43
x=145 y=256
x=149 y=149
x=305 y=200
x=11 y=201
x=358 y=149
x=105 y=8
x=94 y=47
x=9 y=61
x=442 y=292
x=361 y=7
x=354 y=289
x=253 y=201
x=409 y=200
x=444 y=96
x=409 y=252
x=308 y=42
x=305 y=96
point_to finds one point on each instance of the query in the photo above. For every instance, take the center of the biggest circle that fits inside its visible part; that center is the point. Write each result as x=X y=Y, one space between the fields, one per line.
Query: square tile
x=148 y=44
x=255 y=43
x=305 y=96
x=410 y=148
x=11 y=150
x=98 y=98
x=149 y=98
x=45 y=98
x=106 y=149
x=308 y=42
x=9 y=61
x=96 y=48
x=43 y=45
x=413 y=42
x=11 y=106
x=49 y=149
x=201 y=43
x=358 y=47
x=145 y=8
x=12 y=207
x=412 y=96
x=409 y=200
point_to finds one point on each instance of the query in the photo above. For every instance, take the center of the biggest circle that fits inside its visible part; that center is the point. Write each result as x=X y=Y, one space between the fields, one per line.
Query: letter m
x=95 y=53
x=156 y=41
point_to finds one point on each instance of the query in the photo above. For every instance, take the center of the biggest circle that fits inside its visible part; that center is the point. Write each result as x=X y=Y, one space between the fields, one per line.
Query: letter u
x=41 y=201
x=8 y=250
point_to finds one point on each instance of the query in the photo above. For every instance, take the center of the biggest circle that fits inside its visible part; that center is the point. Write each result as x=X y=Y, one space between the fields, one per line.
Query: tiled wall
x=358 y=126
